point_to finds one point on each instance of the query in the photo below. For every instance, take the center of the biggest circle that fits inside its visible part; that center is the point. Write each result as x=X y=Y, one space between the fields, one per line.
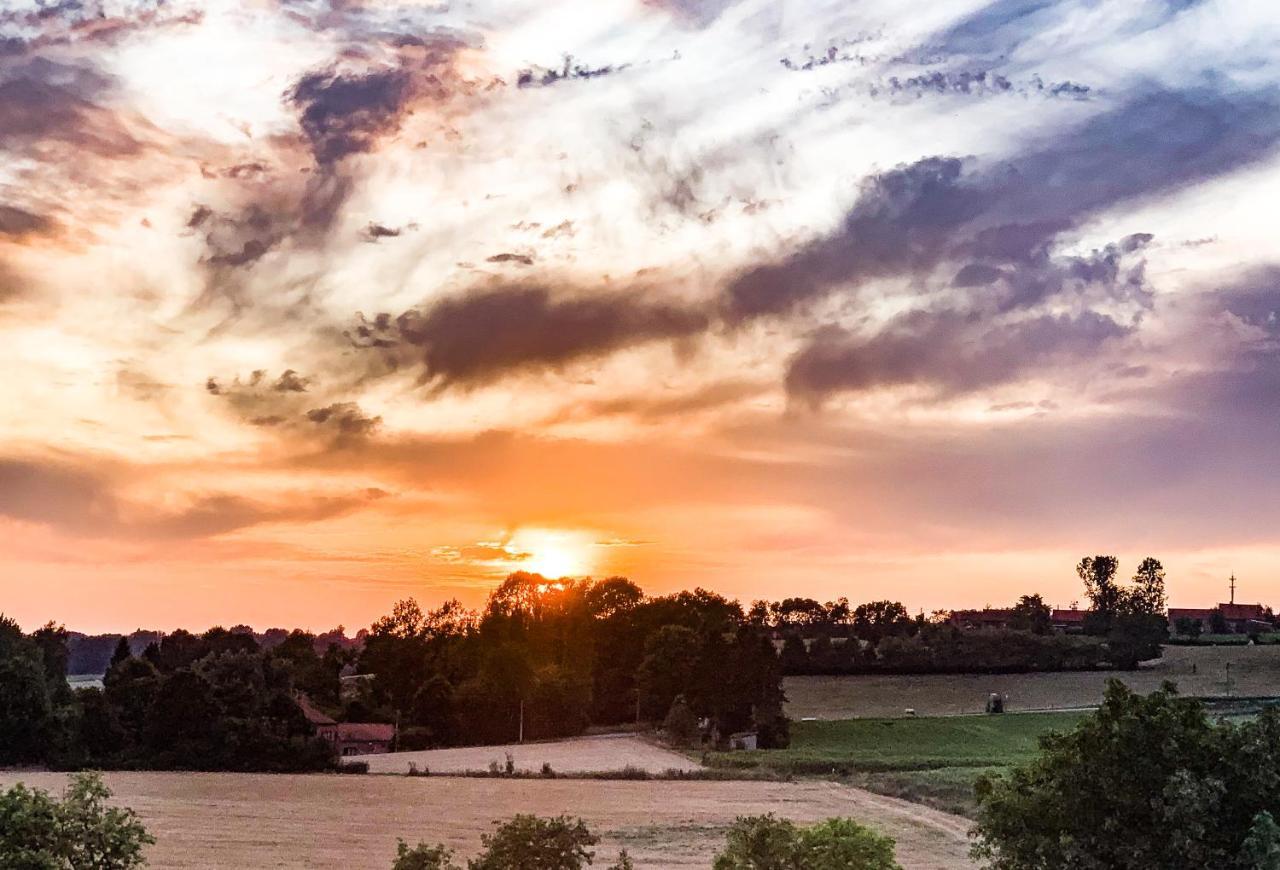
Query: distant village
x=1224 y=618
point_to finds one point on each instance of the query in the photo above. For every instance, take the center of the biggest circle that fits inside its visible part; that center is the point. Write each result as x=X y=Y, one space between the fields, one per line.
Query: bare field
x=227 y=820
x=1203 y=670
x=580 y=755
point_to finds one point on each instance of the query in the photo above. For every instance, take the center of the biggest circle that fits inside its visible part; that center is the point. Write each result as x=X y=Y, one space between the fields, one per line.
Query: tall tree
x=1147 y=594
x=1099 y=576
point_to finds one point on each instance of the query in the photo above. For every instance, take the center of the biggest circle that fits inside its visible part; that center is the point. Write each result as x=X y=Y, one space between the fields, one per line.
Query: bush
x=843 y=844
x=423 y=857
x=80 y=832
x=531 y=843
x=681 y=725
x=767 y=843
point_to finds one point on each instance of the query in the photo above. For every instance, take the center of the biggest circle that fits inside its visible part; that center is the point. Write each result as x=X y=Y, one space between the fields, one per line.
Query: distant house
x=1238 y=618
x=324 y=725
x=364 y=738
x=348 y=738
x=1068 y=621
x=987 y=617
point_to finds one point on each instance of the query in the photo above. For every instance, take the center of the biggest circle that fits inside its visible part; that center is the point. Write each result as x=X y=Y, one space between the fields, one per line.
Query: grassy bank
x=929 y=760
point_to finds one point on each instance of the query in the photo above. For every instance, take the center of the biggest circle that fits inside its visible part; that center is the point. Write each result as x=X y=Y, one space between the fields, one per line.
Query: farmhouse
x=364 y=738
x=1235 y=618
x=1069 y=620
x=348 y=738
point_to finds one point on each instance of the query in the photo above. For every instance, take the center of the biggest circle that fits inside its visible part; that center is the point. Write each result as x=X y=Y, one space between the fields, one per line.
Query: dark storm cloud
x=16 y=222
x=46 y=106
x=914 y=218
x=83 y=22
x=345 y=419
x=481 y=336
x=346 y=114
x=66 y=496
x=948 y=353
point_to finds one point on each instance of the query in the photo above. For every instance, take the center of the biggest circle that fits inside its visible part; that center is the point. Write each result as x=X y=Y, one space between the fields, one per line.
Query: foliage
x=423 y=857
x=1144 y=782
x=1188 y=627
x=843 y=844
x=767 y=843
x=1032 y=614
x=760 y=843
x=528 y=842
x=681 y=726
x=80 y=832
x=1261 y=849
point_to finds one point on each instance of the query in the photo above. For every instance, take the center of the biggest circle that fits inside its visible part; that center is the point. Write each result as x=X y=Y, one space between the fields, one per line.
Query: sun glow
x=554 y=553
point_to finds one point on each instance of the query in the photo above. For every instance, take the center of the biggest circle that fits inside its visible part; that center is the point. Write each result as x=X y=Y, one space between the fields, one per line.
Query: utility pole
x=1233 y=587
x=521 y=720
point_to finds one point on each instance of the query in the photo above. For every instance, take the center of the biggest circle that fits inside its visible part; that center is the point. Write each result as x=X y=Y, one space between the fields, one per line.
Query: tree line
x=212 y=702
x=542 y=659
x=548 y=658
x=1125 y=625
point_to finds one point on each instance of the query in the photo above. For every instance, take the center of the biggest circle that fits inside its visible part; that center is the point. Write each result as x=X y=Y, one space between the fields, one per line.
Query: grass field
x=907 y=744
x=228 y=821
x=1198 y=670
x=934 y=761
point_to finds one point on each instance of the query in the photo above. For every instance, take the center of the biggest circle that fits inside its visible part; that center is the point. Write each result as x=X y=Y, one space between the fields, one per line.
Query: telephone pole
x=1233 y=587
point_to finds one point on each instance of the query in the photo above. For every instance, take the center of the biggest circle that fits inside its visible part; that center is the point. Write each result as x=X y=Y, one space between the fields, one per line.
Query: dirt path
x=580 y=755
x=209 y=820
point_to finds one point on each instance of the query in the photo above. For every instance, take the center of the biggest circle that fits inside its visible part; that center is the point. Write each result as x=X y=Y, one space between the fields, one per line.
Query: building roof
x=314 y=716
x=1242 y=611
x=371 y=732
x=1070 y=615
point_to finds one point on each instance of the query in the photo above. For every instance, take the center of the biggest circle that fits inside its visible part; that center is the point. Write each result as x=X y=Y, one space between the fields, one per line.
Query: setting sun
x=553 y=553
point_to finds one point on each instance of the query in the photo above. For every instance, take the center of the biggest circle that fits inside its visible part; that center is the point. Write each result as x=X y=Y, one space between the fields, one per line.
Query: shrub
x=1144 y=782
x=768 y=843
x=423 y=857
x=624 y=862
x=681 y=725
x=760 y=843
x=528 y=842
x=843 y=844
x=80 y=832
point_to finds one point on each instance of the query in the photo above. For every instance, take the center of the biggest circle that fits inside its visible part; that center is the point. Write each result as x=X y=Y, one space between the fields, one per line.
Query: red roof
x=1068 y=615
x=314 y=716
x=1242 y=611
x=366 y=732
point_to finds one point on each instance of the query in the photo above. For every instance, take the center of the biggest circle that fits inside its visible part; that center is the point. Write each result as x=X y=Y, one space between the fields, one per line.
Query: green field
x=930 y=760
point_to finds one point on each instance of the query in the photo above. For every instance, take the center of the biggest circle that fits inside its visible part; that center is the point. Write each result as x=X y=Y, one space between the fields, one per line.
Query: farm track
x=578 y=755
x=211 y=820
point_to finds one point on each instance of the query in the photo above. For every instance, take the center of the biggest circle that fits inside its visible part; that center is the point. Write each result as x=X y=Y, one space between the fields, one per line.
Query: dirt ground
x=1204 y=671
x=582 y=755
x=225 y=820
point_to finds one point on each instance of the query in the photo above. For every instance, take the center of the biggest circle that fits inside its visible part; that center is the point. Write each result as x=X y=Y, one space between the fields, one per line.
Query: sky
x=306 y=307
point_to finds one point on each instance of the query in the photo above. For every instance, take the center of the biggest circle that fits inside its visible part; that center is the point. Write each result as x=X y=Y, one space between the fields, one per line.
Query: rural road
x=579 y=755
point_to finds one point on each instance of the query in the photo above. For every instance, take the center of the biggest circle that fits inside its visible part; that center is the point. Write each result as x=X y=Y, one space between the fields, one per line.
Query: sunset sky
x=309 y=306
